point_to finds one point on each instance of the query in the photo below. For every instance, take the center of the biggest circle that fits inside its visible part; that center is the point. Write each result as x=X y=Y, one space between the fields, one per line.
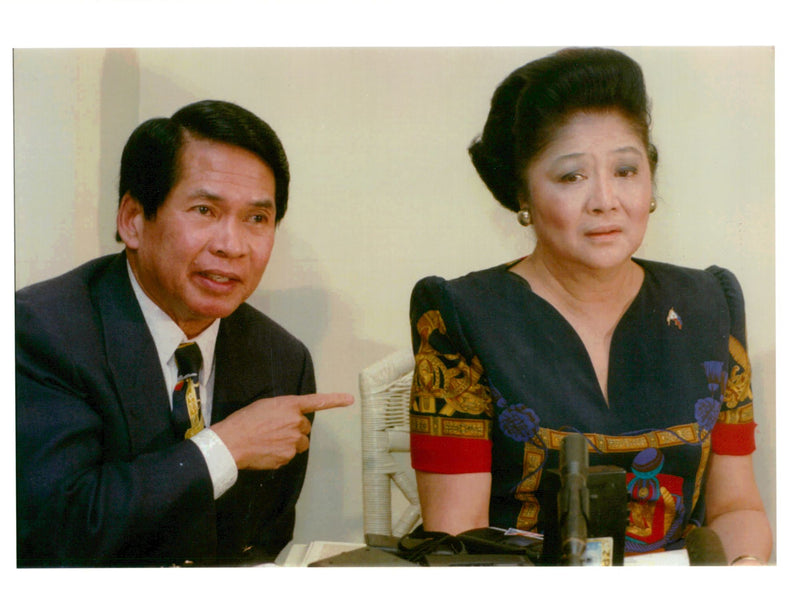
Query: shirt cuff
x=220 y=463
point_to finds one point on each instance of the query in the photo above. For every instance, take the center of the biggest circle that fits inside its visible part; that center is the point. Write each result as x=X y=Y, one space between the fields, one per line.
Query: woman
x=645 y=359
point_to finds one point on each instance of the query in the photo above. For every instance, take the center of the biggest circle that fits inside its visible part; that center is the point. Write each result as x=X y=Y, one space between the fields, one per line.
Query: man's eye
x=204 y=210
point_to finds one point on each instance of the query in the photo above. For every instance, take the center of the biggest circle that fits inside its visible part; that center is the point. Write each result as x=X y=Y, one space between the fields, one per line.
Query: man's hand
x=268 y=433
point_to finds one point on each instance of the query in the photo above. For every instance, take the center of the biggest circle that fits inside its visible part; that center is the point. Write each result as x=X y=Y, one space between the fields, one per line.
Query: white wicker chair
x=385 y=389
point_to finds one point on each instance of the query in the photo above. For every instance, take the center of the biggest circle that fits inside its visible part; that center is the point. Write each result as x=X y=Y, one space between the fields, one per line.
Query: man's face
x=206 y=249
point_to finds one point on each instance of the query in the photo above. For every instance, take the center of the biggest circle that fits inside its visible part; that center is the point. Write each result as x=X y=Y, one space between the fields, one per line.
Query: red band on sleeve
x=734 y=439
x=450 y=454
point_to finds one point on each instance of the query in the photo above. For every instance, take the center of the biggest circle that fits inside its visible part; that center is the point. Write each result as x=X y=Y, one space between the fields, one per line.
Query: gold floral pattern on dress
x=738 y=390
x=450 y=427
x=741 y=415
x=444 y=384
x=643 y=515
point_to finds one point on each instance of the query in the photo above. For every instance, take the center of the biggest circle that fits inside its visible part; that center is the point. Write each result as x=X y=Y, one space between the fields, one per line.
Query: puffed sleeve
x=451 y=406
x=734 y=432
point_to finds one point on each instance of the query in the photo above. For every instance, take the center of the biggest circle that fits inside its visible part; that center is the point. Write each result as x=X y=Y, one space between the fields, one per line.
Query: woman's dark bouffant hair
x=535 y=100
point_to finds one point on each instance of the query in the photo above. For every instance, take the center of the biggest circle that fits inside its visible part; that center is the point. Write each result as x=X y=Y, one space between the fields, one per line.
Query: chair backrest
x=385 y=389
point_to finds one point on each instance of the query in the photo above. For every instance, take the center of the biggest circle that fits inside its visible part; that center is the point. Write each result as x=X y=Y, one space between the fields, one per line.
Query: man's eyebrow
x=204 y=194
x=207 y=195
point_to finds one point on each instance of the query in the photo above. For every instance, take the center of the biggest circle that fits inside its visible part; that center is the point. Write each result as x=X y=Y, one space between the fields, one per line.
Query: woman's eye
x=572 y=177
x=627 y=172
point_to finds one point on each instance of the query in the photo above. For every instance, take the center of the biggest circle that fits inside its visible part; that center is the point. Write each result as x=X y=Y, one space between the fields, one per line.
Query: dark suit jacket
x=101 y=477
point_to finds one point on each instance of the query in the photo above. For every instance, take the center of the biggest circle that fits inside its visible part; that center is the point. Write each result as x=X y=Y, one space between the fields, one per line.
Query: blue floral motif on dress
x=521 y=424
x=716 y=375
x=706 y=412
x=518 y=422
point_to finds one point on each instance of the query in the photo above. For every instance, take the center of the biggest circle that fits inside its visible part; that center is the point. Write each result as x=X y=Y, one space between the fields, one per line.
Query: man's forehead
x=212 y=160
x=195 y=149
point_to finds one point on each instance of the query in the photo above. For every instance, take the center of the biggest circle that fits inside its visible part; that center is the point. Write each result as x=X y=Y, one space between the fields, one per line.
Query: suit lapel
x=236 y=383
x=133 y=360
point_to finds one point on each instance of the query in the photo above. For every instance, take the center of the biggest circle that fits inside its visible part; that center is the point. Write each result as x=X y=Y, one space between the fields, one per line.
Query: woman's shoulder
x=713 y=289
x=463 y=307
x=674 y=276
x=493 y=280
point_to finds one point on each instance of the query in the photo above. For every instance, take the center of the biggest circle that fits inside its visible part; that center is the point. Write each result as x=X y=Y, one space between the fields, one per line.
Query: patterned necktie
x=187 y=417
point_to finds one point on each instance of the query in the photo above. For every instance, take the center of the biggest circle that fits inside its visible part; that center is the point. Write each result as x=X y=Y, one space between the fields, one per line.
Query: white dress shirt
x=167 y=337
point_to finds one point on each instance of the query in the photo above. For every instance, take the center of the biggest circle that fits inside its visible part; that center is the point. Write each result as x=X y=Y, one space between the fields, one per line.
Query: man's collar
x=167 y=335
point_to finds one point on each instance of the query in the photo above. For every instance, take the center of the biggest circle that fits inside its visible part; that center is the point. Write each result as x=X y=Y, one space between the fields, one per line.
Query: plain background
x=383 y=193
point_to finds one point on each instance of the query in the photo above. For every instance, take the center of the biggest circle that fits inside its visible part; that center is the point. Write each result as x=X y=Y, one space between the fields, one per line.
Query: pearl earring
x=653 y=205
x=524 y=217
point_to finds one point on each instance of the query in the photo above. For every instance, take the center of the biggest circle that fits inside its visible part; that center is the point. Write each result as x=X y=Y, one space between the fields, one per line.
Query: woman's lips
x=600 y=232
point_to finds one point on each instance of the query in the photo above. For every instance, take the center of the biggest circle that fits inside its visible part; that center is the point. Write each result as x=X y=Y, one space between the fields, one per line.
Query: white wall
x=383 y=193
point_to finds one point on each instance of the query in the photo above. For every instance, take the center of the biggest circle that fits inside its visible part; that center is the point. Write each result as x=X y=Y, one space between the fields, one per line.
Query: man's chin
x=201 y=317
x=212 y=313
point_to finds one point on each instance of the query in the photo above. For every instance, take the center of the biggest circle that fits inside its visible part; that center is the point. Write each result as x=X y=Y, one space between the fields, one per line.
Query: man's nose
x=228 y=238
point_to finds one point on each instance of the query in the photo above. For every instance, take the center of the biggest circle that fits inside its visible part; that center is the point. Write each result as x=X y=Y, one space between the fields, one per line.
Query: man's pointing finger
x=320 y=401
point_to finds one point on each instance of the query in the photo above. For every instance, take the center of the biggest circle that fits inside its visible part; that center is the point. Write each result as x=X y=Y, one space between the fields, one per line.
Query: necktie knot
x=189 y=359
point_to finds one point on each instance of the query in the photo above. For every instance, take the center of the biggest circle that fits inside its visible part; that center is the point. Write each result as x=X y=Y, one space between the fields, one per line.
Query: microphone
x=573 y=499
x=705 y=548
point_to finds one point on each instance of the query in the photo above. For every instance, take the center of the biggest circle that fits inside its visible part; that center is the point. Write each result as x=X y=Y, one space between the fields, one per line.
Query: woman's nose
x=602 y=196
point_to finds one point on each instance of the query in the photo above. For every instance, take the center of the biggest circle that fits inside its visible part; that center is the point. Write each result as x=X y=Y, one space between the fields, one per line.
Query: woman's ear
x=130 y=221
x=523 y=197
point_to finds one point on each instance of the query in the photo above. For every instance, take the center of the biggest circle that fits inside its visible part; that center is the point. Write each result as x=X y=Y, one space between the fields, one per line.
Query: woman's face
x=589 y=192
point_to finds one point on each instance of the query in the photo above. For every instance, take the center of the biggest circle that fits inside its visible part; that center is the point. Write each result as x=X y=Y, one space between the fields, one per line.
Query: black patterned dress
x=501 y=377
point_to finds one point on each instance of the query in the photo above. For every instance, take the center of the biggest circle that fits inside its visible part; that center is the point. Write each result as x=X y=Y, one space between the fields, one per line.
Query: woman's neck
x=579 y=288
x=592 y=301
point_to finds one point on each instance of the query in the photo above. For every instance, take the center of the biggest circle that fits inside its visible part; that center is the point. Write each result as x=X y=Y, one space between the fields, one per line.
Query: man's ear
x=130 y=221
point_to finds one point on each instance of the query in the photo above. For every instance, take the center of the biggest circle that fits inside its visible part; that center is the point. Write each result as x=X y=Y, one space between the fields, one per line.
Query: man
x=128 y=451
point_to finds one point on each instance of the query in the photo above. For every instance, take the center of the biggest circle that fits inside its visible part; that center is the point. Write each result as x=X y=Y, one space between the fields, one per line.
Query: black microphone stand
x=573 y=499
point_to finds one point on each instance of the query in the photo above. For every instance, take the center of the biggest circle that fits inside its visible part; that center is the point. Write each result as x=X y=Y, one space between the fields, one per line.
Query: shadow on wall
x=330 y=506
x=119 y=116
